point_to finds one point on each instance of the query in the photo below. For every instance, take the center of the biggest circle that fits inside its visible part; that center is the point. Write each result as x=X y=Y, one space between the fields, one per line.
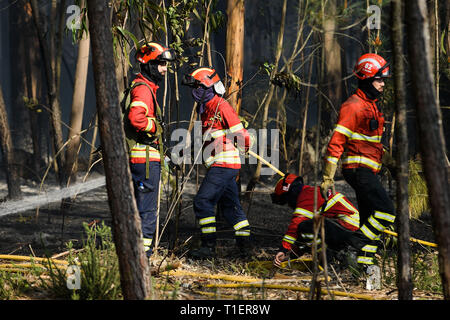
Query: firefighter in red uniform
x=143 y=117
x=357 y=140
x=341 y=217
x=220 y=126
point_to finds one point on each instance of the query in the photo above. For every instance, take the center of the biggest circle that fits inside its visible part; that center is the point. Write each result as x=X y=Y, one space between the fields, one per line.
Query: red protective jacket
x=220 y=126
x=353 y=135
x=142 y=116
x=338 y=207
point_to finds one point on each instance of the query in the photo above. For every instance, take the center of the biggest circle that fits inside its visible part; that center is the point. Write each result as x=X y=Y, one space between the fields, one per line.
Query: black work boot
x=244 y=246
x=206 y=251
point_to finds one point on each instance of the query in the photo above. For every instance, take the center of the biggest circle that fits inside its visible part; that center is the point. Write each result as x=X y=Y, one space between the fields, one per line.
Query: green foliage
x=100 y=277
x=13 y=284
x=287 y=80
x=425 y=272
x=78 y=33
x=98 y=263
x=267 y=67
x=178 y=21
x=216 y=19
x=32 y=104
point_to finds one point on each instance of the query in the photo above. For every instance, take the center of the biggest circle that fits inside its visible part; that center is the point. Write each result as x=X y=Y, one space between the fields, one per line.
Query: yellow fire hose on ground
x=25 y=258
x=426 y=243
x=251 y=282
x=293 y=288
x=19 y=266
x=271 y=166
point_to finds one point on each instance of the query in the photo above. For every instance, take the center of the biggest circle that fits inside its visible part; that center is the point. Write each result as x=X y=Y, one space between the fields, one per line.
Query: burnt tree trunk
x=235 y=51
x=268 y=99
x=12 y=177
x=432 y=143
x=401 y=134
x=32 y=72
x=133 y=264
x=51 y=66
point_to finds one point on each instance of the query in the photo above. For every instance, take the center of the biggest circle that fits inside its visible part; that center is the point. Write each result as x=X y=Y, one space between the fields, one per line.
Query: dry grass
x=417 y=189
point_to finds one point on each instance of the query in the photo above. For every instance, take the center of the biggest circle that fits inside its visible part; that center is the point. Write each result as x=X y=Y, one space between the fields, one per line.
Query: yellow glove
x=243 y=121
x=328 y=178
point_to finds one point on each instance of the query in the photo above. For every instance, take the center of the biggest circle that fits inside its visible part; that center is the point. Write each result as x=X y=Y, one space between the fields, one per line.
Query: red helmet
x=284 y=183
x=371 y=65
x=205 y=76
x=280 y=195
x=154 y=51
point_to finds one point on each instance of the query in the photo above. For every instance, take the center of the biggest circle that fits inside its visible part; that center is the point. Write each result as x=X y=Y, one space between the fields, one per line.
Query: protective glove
x=243 y=121
x=328 y=178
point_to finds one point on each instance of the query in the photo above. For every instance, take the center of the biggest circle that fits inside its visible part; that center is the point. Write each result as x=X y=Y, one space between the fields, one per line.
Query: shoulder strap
x=158 y=126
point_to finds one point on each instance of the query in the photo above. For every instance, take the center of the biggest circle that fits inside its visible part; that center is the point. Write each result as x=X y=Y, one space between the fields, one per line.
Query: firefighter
x=220 y=126
x=145 y=163
x=357 y=140
x=341 y=217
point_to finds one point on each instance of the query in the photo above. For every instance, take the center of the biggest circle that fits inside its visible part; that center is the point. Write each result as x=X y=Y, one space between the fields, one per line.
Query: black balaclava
x=150 y=71
x=202 y=95
x=367 y=87
x=294 y=192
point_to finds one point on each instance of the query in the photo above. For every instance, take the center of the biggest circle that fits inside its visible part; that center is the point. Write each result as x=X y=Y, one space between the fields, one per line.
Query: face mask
x=202 y=95
x=219 y=88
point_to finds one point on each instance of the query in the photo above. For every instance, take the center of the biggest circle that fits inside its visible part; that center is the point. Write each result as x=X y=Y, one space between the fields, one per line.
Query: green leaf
x=125 y=33
x=195 y=12
x=442 y=43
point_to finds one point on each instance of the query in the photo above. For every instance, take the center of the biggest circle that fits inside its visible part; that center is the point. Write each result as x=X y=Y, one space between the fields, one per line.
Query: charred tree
x=267 y=100
x=235 y=51
x=32 y=73
x=432 y=143
x=51 y=64
x=401 y=134
x=133 y=264
x=18 y=46
x=12 y=176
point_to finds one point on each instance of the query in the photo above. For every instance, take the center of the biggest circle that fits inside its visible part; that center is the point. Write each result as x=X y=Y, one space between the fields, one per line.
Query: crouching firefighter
x=357 y=140
x=340 y=223
x=220 y=125
x=143 y=131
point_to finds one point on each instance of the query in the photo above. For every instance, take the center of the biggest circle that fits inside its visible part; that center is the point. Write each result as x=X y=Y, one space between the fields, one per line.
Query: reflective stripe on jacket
x=353 y=136
x=338 y=207
x=142 y=116
x=220 y=126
